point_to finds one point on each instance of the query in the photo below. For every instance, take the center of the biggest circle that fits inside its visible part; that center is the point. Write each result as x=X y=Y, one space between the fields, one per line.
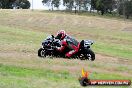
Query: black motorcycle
x=49 y=49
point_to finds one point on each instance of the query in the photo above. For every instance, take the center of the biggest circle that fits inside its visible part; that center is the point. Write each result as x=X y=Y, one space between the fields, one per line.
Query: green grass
x=28 y=72
x=116 y=50
x=13 y=77
x=22 y=39
x=19 y=36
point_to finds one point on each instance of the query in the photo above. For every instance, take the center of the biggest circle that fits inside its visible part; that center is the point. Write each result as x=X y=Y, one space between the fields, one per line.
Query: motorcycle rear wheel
x=90 y=55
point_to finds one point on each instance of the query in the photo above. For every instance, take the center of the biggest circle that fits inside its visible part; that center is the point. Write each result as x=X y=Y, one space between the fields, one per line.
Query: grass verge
x=13 y=77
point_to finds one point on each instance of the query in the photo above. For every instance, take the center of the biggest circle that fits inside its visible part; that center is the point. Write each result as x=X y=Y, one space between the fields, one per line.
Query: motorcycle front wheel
x=41 y=52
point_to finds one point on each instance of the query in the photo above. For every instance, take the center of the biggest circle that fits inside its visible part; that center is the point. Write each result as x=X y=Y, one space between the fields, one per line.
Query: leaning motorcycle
x=49 y=49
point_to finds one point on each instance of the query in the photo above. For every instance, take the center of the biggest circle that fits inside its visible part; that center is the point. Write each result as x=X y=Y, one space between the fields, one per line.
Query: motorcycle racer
x=67 y=42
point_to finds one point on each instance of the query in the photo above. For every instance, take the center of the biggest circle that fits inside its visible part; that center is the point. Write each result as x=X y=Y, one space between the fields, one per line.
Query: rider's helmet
x=61 y=34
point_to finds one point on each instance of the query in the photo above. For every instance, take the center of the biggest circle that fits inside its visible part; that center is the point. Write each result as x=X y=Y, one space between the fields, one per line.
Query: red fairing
x=64 y=44
x=72 y=52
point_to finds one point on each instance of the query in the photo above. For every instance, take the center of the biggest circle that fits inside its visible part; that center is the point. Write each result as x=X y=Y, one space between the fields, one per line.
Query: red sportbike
x=49 y=49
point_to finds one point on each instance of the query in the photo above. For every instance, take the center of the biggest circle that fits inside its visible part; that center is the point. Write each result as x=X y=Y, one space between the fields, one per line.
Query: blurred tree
x=82 y=4
x=24 y=4
x=100 y=6
x=125 y=8
x=4 y=4
x=56 y=3
x=48 y=3
x=86 y=4
x=76 y=4
x=93 y=5
x=51 y=3
x=9 y=4
x=104 y=6
x=69 y=4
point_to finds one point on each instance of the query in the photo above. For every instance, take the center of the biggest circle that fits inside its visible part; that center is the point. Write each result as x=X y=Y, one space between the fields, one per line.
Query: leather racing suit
x=71 y=43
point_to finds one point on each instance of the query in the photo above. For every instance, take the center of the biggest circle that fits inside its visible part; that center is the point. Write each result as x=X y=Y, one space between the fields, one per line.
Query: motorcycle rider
x=67 y=42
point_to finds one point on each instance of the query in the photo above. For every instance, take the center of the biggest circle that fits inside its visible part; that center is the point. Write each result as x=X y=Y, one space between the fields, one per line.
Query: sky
x=37 y=4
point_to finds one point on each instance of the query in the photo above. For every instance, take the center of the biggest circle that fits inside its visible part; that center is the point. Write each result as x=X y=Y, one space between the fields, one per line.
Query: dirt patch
x=127 y=29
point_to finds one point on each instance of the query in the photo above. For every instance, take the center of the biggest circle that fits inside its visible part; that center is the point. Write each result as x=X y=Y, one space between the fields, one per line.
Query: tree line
x=18 y=4
x=121 y=7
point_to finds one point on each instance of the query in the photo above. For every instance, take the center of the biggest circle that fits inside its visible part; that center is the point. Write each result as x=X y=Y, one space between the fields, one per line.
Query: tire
x=84 y=81
x=41 y=52
x=90 y=55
